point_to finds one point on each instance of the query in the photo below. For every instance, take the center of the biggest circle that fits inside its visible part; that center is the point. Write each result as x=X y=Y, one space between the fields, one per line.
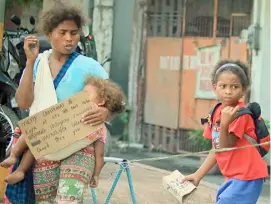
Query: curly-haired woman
x=62 y=181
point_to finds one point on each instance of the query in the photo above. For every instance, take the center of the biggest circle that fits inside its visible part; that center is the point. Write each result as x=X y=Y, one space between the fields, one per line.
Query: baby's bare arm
x=25 y=165
x=27 y=161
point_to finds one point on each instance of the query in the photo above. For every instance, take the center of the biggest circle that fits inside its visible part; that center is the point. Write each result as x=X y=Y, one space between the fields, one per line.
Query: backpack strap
x=244 y=111
x=253 y=142
x=209 y=118
x=250 y=139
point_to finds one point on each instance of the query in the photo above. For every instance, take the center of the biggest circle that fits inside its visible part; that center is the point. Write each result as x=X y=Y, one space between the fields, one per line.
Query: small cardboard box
x=58 y=126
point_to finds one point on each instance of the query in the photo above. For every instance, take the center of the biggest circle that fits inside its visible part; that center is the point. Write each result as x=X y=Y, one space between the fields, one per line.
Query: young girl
x=244 y=169
x=101 y=92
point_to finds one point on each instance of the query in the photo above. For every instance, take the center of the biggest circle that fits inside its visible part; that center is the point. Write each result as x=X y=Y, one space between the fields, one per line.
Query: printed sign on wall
x=207 y=59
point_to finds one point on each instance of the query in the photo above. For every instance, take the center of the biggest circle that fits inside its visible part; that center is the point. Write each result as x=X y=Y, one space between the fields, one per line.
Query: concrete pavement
x=186 y=165
x=148 y=187
x=148 y=183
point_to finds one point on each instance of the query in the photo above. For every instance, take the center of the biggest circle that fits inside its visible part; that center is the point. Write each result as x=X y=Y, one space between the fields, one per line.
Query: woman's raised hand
x=31 y=48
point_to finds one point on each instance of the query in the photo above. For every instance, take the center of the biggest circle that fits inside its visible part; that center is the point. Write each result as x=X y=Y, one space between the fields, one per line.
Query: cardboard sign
x=172 y=183
x=57 y=126
x=187 y=192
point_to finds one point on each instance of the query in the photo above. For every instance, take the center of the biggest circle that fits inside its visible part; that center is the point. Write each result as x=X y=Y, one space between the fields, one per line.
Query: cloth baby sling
x=44 y=84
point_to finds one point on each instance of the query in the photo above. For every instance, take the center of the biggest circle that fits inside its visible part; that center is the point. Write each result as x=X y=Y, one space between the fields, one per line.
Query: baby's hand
x=94 y=181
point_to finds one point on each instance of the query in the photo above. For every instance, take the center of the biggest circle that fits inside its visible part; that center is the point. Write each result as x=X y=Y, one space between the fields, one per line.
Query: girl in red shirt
x=244 y=169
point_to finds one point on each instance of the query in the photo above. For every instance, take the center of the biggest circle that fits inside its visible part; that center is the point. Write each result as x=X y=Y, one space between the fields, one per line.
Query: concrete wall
x=260 y=90
x=122 y=35
x=136 y=67
x=103 y=29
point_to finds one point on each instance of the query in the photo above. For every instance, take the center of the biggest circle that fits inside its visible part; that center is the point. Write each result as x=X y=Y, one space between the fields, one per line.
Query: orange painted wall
x=162 y=82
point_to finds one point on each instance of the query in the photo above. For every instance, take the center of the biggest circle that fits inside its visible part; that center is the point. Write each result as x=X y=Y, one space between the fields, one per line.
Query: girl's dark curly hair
x=240 y=70
x=59 y=13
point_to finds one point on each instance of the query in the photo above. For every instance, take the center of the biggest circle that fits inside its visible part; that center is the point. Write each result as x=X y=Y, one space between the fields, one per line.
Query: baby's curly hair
x=57 y=14
x=240 y=70
x=110 y=92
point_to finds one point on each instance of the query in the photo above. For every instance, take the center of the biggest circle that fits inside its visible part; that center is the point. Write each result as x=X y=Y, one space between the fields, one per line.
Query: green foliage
x=196 y=138
x=11 y=3
x=124 y=117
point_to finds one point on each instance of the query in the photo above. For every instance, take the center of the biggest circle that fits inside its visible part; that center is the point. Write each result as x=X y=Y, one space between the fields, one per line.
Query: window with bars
x=199 y=18
x=165 y=18
x=233 y=17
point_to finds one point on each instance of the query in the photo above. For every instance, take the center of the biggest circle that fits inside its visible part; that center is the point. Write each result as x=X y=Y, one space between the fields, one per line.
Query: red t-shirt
x=243 y=164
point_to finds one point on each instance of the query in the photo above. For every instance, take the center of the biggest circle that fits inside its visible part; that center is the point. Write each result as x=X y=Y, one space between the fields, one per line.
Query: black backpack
x=261 y=130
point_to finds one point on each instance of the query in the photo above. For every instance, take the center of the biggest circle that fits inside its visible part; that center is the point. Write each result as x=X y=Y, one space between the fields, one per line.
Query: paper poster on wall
x=207 y=59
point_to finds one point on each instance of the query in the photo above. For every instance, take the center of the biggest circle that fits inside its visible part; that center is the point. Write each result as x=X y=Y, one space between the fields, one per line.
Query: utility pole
x=2 y=20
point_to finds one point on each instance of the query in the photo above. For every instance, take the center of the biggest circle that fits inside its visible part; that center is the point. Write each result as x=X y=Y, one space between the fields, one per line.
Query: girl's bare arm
x=209 y=163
